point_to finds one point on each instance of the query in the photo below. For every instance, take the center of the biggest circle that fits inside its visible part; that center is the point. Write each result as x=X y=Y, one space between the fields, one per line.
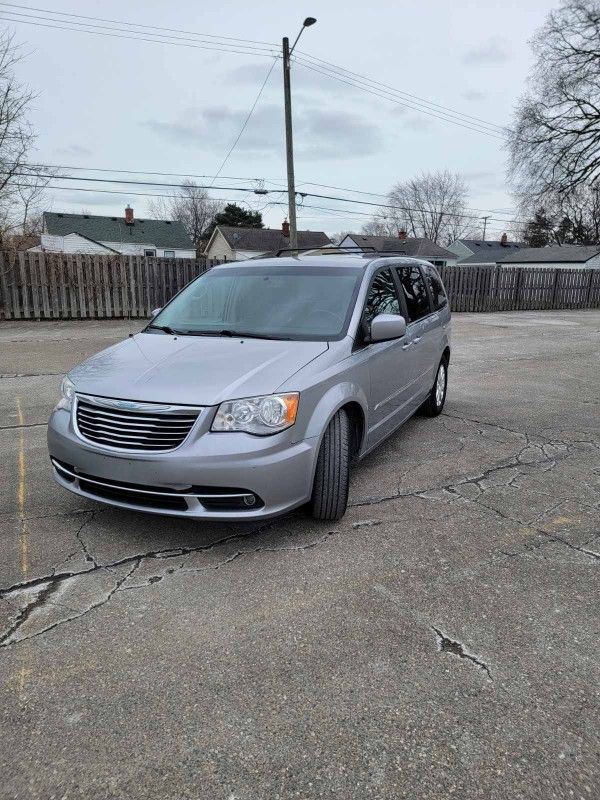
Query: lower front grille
x=211 y=498
x=144 y=426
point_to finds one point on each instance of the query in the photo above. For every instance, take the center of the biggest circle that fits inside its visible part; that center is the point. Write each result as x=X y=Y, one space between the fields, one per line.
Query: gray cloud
x=73 y=150
x=493 y=51
x=318 y=133
x=304 y=79
x=473 y=95
x=417 y=123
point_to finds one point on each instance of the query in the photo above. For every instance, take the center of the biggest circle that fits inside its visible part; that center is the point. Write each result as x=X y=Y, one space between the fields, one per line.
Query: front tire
x=332 y=475
x=434 y=404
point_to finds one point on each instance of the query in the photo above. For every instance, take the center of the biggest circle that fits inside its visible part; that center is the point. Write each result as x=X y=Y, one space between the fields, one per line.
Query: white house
x=89 y=233
x=567 y=256
x=483 y=252
x=403 y=245
x=230 y=243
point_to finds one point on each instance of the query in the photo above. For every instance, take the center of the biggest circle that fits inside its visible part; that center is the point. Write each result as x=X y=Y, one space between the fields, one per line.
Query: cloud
x=417 y=123
x=473 y=95
x=318 y=133
x=493 y=51
x=305 y=80
x=73 y=150
x=83 y=199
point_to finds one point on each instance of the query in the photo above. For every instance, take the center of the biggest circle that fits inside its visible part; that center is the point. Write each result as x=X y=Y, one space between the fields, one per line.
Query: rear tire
x=434 y=404
x=332 y=475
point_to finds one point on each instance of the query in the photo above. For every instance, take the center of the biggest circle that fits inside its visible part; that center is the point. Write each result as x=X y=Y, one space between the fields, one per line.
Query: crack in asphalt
x=28 y=425
x=447 y=645
x=43 y=597
x=48 y=585
x=79 y=536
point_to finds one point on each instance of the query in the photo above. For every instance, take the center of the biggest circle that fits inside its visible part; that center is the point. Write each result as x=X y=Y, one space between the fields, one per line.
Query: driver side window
x=382 y=299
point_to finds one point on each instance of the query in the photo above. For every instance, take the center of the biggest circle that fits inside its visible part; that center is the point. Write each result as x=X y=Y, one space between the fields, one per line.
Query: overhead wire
x=131 y=24
x=240 y=50
x=246 y=121
x=335 y=71
x=246 y=189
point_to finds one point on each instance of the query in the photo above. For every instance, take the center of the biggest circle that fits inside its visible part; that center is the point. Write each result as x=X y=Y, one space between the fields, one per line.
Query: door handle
x=406 y=346
x=417 y=339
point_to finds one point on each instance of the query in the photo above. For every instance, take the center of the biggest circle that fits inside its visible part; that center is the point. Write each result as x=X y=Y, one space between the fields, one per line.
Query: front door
x=392 y=365
x=422 y=325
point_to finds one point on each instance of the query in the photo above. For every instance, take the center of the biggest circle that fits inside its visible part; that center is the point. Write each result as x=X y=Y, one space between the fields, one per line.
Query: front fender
x=330 y=403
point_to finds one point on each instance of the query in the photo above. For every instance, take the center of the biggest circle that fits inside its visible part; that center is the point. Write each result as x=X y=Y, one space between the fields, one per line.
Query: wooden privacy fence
x=520 y=288
x=77 y=286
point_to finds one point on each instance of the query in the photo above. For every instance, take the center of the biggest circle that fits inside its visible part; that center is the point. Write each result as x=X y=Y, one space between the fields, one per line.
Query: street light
x=289 y=146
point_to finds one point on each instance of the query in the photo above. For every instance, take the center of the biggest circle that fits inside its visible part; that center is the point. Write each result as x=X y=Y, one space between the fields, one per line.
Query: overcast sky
x=119 y=104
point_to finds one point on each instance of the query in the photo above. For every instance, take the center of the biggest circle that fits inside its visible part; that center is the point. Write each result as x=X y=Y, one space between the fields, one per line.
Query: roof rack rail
x=327 y=250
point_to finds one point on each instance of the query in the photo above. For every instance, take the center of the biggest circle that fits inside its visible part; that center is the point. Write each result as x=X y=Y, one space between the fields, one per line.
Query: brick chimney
x=285 y=228
x=504 y=240
x=129 y=215
x=402 y=234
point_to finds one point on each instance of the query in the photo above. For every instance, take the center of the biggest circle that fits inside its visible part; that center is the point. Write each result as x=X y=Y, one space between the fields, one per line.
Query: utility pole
x=485 y=219
x=289 y=143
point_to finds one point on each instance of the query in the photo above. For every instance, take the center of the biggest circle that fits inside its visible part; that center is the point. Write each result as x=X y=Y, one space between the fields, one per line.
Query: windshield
x=274 y=302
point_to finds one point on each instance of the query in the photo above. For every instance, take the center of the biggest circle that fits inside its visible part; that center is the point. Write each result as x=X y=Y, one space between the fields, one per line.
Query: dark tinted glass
x=415 y=292
x=382 y=299
x=436 y=287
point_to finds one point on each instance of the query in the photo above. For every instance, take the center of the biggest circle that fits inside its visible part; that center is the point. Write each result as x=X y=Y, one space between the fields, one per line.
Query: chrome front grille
x=128 y=425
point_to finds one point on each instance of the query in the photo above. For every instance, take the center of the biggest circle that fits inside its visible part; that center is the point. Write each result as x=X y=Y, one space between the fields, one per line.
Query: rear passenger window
x=436 y=287
x=415 y=292
x=382 y=299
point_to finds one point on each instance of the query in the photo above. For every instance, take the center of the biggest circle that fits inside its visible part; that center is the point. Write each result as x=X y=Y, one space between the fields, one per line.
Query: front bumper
x=277 y=471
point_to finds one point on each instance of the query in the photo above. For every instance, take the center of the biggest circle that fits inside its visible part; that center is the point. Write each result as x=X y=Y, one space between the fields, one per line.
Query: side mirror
x=155 y=313
x=387 y=326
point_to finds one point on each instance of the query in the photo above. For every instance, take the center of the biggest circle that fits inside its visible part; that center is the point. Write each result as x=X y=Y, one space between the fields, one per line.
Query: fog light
x=249 y=500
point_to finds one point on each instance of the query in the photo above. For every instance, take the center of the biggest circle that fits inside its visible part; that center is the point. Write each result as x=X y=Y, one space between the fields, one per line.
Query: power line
x=140 y=39
x=334 y=71
x=386 y=95
x=165 y=38
x=131 y=24
x=420 y=100
x=245 y=123
x=256 y=179
x=254 y=191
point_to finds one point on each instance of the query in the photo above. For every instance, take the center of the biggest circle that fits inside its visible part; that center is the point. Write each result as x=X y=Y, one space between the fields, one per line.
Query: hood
x=192 y=370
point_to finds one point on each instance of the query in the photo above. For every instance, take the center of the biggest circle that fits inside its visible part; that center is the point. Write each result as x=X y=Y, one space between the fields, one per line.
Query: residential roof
x=485 y=244
x=160 y=233
x=415 y=247
x=574 y=254
x=490 y=255
x=264 y=240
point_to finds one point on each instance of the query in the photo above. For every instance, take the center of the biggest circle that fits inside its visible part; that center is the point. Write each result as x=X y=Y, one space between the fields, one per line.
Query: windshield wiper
x=164 y=328
x=247 y=335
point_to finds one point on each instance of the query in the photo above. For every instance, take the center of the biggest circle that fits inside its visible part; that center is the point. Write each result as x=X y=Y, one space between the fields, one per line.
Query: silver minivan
x=252 y=391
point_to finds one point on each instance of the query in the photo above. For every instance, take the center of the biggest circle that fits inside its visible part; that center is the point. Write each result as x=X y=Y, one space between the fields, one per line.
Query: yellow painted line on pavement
x=25 y=670
x=24 y=533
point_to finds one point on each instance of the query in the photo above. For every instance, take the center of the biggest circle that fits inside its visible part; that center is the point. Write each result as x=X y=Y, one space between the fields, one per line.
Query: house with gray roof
x=483 y=252
x=231 y=243
x=566 y=256
x=90 y=233
x=402 y=244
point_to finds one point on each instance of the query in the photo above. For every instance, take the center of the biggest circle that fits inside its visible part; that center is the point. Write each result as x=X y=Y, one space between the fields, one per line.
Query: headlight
x=259 y=415
x=67 y=391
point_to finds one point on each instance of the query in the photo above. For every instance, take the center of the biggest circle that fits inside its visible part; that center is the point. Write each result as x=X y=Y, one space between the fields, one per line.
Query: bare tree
x=431 y=205
x=21 y=185
x=555 y=143
x=562 y=218
x=190 y=205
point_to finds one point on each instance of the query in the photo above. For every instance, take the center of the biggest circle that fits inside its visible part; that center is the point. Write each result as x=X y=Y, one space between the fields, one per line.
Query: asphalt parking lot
x=440 y=641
